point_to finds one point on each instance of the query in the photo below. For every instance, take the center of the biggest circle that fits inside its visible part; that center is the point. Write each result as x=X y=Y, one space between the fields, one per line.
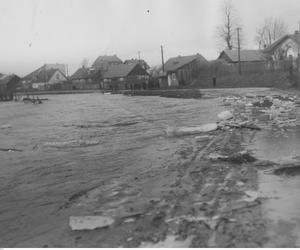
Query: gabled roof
x=246 y=55
x=86 y=73
x=121 y=70
x=277 y=43
x=5 y=79
x=43 y=73
x=176 y=63
x=106 y=59
x=139 y=61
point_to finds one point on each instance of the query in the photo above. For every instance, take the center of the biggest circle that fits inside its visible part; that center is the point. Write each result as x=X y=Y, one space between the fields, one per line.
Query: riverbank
x=171 y=93
x=58 y=92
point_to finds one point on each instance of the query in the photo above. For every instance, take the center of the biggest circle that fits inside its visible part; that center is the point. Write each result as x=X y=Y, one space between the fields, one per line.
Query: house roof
x=175 y=63
x=5 y=79
x=86 y=73
x=139 y=61
x=278 y=42
x=246 y=55
x=120 y=70
x=43 y=75
x=106 y=59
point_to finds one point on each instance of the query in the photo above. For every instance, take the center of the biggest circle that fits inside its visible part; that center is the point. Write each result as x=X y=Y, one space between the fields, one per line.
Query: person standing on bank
x=214 y=79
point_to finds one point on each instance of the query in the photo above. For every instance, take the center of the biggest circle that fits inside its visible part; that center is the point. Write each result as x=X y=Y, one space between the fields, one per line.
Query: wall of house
x=86 y=84
x=284 y=56
x=188 y=73
x=61 y=67
x=172 y=80
x=39 y=85
x=130 y=82
x=58 y=77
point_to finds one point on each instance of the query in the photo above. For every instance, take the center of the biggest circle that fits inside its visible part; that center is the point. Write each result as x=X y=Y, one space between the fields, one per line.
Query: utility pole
x=162 y=58
x=297 y=34
x=139 y=55
x=239 y=50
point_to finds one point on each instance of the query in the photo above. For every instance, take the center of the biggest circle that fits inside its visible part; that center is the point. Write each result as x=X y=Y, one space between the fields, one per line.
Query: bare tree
x=271 y=30
x=227 y=30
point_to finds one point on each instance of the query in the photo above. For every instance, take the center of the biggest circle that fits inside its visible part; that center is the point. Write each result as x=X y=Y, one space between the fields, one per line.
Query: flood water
x=73 y=143
x=281 y=205
x=280 y=146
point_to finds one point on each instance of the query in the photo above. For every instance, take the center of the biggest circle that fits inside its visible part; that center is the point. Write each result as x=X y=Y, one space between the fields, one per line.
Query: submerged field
x=110 y=155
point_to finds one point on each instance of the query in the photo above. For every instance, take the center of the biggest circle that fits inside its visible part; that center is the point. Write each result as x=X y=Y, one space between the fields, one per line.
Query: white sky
x=34 y=32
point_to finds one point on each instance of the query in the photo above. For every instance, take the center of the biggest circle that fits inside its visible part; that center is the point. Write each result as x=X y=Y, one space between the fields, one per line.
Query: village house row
x=110 y=73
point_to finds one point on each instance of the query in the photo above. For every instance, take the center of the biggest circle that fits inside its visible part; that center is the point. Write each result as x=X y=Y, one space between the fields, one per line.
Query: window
x=57 y=76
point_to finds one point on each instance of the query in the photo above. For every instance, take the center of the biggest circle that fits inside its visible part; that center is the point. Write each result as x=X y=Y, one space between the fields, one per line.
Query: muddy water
x=277 y=145
x=281 y=205
x=74 y=143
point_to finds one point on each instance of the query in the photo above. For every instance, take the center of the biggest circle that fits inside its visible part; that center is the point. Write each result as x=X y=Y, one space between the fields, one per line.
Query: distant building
x=246 y=56
x=104 y=62
x=283 y=52
x=125 y=76
x=135 y=61
x=182 y=70
x=46 y=77
x=252 y=61
x=8 y=85
x=86 y=78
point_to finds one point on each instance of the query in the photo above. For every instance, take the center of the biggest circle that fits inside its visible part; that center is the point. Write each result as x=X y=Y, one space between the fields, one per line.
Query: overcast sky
x=34 y=32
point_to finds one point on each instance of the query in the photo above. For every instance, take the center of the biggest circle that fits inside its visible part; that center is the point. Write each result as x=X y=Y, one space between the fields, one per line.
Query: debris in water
x=191 y=130
x=5 y=126
x=89 y=222
x=216 y=156
x=123 y=124
x=170 y=241
x=129 y=220
x=251 y=196
x=289 y=170
x=10 y=150
x=72 y=143
x=241 y=157
x=241 y=204
x=225 y=115
x=238 y=158
x=263 y=104
x=203 y=137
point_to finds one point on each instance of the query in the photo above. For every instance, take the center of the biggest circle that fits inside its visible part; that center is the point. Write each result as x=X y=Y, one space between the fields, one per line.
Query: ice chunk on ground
x=89 y=222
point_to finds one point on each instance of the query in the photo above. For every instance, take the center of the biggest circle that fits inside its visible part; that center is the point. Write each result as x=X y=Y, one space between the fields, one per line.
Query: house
x=8 y=85
x=125 y=76
x=46 y=78
x=283 y=53
x=86 y=78
x=104 y=62
x=246 y=56
x=49 y=76
x=139 y=61
x=182 y=70
x=252 y=61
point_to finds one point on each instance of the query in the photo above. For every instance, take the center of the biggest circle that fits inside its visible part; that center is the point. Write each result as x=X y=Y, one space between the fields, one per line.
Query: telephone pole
x=239 y=50
x=297 y=34
x=139 y=55
x=162 y=58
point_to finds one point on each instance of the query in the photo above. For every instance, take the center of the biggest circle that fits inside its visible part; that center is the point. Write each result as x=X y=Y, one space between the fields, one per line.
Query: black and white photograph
x=149 y=123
